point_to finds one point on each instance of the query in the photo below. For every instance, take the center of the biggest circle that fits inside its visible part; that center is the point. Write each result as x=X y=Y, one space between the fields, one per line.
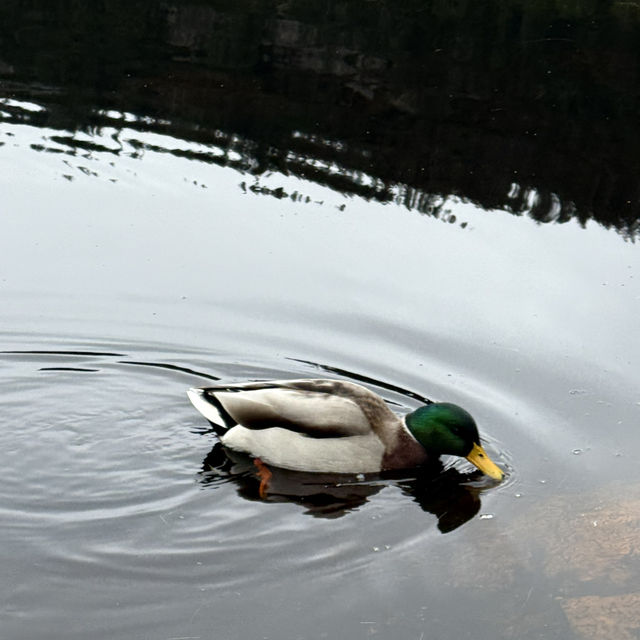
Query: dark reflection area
x=90 y=354
x=61 y=353
x=453 y=497
x=171 y=367
x=76 y=369
x=528 y=107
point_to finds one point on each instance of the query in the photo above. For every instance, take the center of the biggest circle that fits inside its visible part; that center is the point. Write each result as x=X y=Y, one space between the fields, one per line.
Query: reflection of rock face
x=295 y=45
x=485 y=114
x=191 y=26
x=6 y=69
x=526 y=107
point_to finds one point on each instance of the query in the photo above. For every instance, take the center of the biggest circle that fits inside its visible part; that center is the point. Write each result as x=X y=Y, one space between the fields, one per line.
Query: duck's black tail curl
x=205 y=401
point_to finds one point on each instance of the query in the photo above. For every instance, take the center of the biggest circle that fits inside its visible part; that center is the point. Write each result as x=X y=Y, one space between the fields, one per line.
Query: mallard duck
x=334 y=426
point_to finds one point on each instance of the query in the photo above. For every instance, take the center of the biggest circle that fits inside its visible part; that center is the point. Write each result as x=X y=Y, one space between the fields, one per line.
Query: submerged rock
x=604 y=617
x=572 y=561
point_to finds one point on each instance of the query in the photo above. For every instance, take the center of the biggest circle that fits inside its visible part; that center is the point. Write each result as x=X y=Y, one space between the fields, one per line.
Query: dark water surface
x=440 y=200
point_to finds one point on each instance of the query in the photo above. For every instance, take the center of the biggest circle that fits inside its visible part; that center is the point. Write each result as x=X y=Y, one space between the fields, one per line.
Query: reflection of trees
x=526 y=106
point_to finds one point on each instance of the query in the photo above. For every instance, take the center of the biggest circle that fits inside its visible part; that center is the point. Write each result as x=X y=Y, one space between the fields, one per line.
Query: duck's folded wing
x=319 y=408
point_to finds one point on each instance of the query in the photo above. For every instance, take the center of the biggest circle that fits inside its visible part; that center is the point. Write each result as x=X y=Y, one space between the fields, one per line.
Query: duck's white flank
x=289 y=450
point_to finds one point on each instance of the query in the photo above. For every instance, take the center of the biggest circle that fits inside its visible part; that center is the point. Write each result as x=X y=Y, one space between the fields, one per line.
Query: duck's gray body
x=328 y=426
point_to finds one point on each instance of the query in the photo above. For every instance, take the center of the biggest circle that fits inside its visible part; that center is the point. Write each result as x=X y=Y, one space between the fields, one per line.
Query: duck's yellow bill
x=480 y=459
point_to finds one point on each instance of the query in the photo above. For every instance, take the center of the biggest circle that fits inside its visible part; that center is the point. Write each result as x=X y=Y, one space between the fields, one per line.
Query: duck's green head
x=444 y=428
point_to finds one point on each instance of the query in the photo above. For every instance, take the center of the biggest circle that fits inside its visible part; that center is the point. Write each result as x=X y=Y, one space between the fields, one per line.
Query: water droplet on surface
x=518 y=495
x=486 y=516
x=577 y=452
x=543 y=482
x=360 y=477
x=376 y=549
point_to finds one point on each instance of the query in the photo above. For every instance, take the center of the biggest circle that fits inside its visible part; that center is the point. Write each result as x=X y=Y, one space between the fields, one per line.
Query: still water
x=146 y=248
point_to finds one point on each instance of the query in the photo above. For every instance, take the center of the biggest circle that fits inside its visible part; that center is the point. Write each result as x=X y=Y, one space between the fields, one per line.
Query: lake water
x=243 y=194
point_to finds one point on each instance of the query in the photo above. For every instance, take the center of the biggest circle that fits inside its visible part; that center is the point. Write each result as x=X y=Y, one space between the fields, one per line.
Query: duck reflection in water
x=453 y=497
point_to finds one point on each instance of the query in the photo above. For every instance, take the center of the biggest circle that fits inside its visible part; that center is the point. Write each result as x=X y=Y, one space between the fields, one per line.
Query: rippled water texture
x=154 y=237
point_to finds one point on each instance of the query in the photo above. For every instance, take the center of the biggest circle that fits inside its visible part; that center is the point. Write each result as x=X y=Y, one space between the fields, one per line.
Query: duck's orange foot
x=265 y=475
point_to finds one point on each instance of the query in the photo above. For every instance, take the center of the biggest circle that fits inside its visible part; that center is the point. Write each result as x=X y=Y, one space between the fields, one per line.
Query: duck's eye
x=481 y=455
